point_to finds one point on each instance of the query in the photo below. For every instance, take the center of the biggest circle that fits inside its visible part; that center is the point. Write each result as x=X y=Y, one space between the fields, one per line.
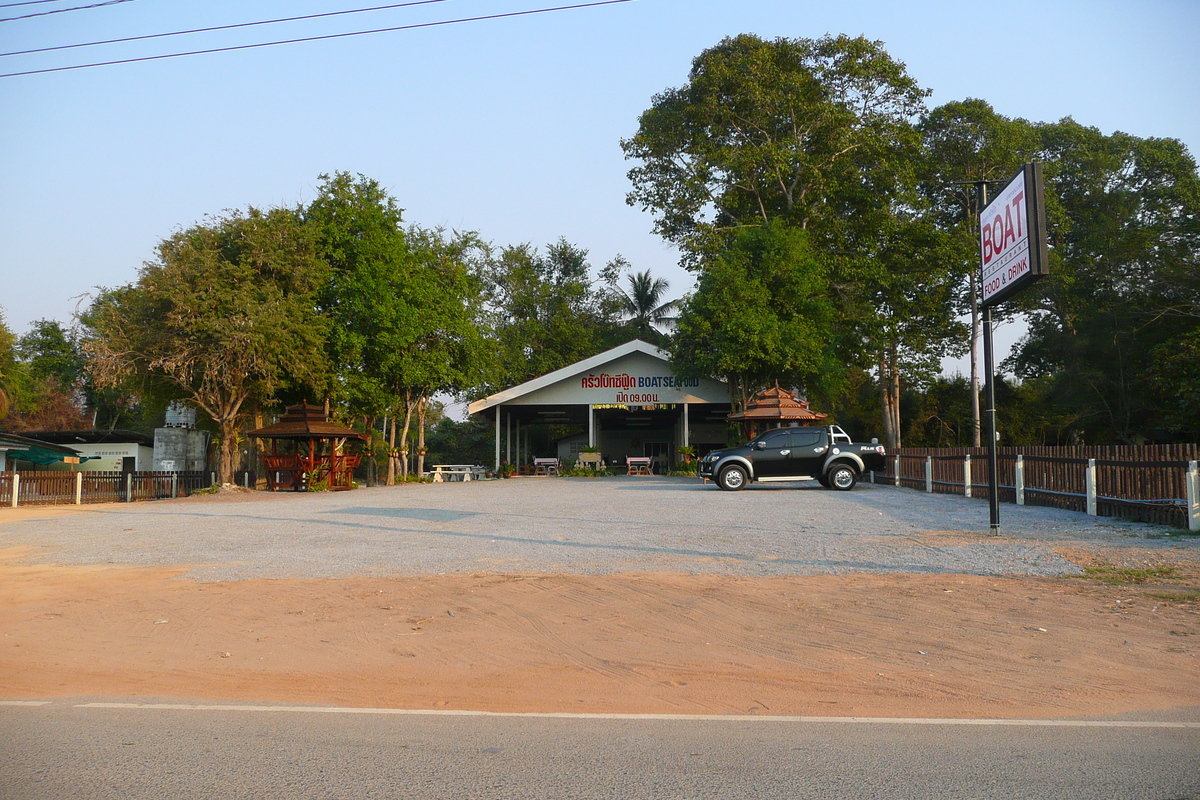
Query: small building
x=626 y=401
x=106 y=450
x=24 y=451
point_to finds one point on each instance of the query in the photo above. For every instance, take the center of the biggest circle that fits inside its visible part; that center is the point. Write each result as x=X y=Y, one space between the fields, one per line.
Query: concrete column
x=79 y=488
x=1090 y=480
x=175 y=485
x=687 y=434
x=896 y=473
x=1020 y=480
x=497 y=440
x=16 y=488
x=1193 y=496
x=967 y=475
x=591 y=425
x=929 y=474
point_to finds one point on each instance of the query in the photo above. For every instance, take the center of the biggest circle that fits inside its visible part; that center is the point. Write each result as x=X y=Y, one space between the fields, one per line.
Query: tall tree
x=909 y=324
x=808 y=131
x=1115 y=324
x=546 y=311
x=761 y=313
x=962 y=143
x=643 y=306
x=225 y=316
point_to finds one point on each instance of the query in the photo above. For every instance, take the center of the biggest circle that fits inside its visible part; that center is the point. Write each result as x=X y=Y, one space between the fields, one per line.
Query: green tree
x=964 y=142
x=761 y=313
x=545 y=310
x=224 y=317
x=9 y=367
x=1115 y=324
x=909 y=324
x=642 y=306
x=403 y=305
x=814 y=132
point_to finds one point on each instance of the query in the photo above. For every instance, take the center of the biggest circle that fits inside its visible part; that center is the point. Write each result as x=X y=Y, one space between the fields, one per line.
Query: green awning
x=44 y=457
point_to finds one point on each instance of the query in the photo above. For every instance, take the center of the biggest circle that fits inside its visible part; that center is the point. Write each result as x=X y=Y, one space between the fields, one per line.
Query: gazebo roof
x=305 y=422
x=777 y=403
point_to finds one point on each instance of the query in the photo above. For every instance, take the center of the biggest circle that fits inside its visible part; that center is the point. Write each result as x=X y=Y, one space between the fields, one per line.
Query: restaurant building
x=626 y=401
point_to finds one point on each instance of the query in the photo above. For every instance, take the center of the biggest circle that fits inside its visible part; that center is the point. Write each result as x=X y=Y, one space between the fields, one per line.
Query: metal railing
x=1160 y=490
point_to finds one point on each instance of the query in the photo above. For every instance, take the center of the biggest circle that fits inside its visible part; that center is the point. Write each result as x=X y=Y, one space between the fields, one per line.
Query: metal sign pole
x=989 y=367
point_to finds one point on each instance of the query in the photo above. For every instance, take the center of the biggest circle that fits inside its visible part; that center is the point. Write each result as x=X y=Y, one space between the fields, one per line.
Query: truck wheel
x=732 y=478
x=842 y=477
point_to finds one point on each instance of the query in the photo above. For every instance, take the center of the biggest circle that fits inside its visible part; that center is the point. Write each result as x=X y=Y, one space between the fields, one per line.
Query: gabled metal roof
x=551 y=378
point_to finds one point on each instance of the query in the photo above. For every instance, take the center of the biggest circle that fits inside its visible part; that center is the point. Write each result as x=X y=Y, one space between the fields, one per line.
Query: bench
x=443 y=473
x=638 y=465
x=545 y=466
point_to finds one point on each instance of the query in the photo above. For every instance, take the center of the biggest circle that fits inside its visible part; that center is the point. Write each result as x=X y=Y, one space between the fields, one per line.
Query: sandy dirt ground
x=857 y=645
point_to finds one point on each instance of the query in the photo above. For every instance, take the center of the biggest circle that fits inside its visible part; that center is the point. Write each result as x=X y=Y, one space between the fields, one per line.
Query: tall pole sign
x=1012 y=237
x=1012 y=256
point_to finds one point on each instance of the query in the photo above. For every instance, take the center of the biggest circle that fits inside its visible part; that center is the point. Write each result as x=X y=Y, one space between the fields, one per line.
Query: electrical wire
x=220 y=28
x=65 y=10
x=314 y=38
x=28 y=3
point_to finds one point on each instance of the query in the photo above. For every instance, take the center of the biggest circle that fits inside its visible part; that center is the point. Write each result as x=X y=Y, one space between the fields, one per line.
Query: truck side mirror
x=760 y=445
x=874 y=440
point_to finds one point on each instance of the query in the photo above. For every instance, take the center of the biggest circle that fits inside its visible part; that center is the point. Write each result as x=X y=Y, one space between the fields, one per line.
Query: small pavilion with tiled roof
x=317 y=450
x=776 y=408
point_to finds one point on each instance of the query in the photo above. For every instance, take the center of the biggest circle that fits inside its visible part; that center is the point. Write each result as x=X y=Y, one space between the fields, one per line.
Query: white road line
x=24 y=702
x=1045 y=723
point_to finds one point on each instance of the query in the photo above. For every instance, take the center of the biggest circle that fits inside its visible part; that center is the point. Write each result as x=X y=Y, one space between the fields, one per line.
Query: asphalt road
x=576 y=526
x=68 y=749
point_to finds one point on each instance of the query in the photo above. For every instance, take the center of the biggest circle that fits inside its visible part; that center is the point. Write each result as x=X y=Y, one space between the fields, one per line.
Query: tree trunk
x=885 y=403
x=422 y=404
x=228 y=458
x=391 y=473
x=408 y=412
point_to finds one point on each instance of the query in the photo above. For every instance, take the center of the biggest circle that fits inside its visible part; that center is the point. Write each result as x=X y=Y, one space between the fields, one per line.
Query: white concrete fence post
x=929 y=474
x=128 y=487
x=16 y=487
x=967 y=475
x=78 y=488
x=174 y=485
x=1193 y=496
x=897 y=471
x=1091 y=487
x=1020 y=479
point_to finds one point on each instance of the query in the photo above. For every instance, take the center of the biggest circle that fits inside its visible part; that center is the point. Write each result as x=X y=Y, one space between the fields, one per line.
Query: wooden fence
x=1155 y=483
x=56 y=487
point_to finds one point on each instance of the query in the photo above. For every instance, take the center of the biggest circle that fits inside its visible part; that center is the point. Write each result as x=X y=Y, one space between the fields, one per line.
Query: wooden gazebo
x=775 y=408
x=317 y=450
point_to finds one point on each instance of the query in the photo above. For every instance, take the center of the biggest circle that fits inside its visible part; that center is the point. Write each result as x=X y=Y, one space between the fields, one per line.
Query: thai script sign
x=627 y=381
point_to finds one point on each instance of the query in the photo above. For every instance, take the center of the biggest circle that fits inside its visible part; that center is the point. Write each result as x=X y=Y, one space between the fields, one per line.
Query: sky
x=509 y=127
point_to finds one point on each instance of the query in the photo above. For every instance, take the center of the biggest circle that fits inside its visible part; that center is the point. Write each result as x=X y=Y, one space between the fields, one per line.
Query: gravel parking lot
x=578 y=526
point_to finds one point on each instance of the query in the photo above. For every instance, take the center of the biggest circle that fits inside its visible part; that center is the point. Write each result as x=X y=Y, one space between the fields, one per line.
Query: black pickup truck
x=794 y=454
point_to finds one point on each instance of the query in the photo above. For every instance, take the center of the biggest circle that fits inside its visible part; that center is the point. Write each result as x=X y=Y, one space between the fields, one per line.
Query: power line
x=28 y=3
x=314 y=38
x=219 y=27
x=64 y=10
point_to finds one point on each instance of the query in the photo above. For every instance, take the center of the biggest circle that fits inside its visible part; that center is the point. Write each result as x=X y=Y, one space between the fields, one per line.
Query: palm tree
x=642 y=305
